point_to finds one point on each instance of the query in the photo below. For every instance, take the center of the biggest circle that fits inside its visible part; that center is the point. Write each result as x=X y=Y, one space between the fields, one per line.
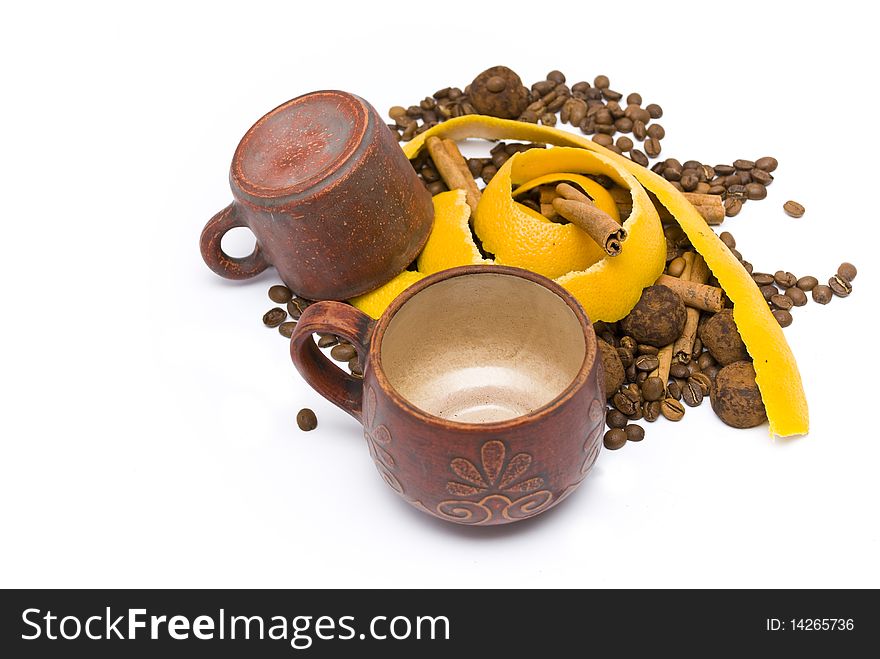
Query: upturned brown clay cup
x=482 y=397
x=332 y=200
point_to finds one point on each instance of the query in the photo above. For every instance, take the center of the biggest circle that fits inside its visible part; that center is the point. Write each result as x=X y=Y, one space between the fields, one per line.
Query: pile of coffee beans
x=738 y=183
x=618 y=124
x=784 y=290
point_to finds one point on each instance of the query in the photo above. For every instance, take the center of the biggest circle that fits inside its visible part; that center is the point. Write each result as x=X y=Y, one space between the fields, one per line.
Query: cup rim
x=579 y=381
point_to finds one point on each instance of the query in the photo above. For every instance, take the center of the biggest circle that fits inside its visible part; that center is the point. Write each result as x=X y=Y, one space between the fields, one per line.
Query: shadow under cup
x=482 y=348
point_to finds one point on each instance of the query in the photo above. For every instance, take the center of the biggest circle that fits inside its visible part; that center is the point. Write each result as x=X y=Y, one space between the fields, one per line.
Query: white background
x=148 y=419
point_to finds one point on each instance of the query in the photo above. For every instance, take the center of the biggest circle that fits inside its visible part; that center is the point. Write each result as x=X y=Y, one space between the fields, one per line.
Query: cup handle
x=337 y=386
x=230 y=267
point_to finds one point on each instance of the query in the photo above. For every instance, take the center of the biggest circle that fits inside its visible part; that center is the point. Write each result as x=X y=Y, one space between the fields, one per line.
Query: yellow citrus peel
x=376 y=301
x=776 y=370
x=607 y=288
x=451 y=243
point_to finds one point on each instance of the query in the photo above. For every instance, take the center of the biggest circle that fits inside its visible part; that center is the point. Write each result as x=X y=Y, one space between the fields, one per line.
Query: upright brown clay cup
x=333 y=202
x=482 y=397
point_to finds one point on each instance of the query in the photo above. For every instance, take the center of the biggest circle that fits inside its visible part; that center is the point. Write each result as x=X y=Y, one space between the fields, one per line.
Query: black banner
x=514 y=623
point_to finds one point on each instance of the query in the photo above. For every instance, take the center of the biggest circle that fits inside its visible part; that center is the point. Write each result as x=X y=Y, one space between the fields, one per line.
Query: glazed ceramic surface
x=482 y=392
x=334 y=204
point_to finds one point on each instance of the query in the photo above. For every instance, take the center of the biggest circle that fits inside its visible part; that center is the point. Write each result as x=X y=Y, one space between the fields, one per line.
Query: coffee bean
x=615 y=419
x=743 y=164
x=767 y=163
x=679 y=370
x=756 y=191
x=652 y=147
x=688 y=181
x=556 y=76
x=638 y=157
x=286 y=329
x=650 y=411
x=654 y=110
x=732 y=207
x=581 y=86
x=603 y=140
x=672 y=409
x=647 y=363
x=637 y=113
x=673 y=390
x=488 y=173
x=645 y=349
x=639 y=130
x=768 y=291
x=614 y=439
x=280 y=294
x=839 y=286
x=807 y=283
x=847 y=271
x=437 y=187
x=671 y=174
x=631 y=373
x=762 y=278
x=626 y=357
x=616 y=111
x=624 y=402
x=703 y=380
x=624 y=143
x=602 y=82
x=692 y=393
x=782 y=301
x=355 y=367
x=475 y=166
x=728 y=239
x=629 y=343
x=705 y=360
x=611 y=95
x=797 y=296
x=656 y=131
x=327 y=340
x=737 y=191
x=822 y=294
x=760 y=176
x=548 y=118
x=634 y=99
x=747 y=266
x=624 y=125
x=653 y=389
x=306 y=420
x=793 y=208
x=724 y=170
x=782 y=317
x=784 y=279
x=274 y=317
x=634 y=432
x=343 y=352
x=294 y=309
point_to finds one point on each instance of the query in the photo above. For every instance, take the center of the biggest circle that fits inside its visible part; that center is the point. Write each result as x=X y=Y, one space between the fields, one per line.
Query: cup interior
x=483 y=347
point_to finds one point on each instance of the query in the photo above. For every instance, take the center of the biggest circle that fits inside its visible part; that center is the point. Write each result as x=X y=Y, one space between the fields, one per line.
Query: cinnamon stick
x=709 y=206
x=699 y=296
x=665 y=354
x=453 y=169
x=547 y=195
x=598 y=224
x=698 y=274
